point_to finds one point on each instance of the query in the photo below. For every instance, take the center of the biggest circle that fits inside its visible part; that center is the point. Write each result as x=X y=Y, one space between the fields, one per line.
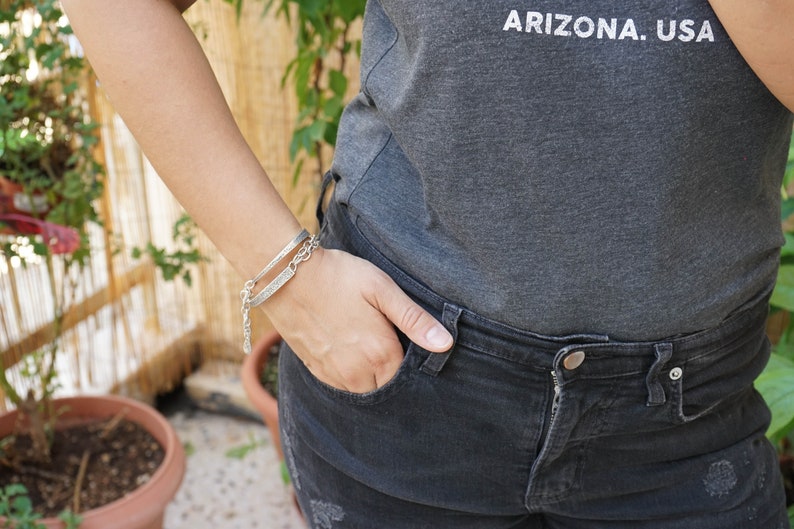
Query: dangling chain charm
x=245 y=296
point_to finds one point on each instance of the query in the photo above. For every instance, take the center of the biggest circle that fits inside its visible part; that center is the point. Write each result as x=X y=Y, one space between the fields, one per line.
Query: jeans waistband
x=340 y=231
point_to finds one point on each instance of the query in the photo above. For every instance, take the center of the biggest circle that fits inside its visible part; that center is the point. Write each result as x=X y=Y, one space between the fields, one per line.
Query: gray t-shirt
x=562 y=167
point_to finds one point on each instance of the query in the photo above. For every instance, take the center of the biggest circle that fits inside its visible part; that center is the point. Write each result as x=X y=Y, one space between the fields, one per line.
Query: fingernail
x=438 y=337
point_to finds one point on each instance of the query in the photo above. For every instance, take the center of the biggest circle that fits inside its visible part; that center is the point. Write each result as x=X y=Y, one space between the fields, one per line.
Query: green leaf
x=337 y=82
x=239 y=452
x=39 y=248
x=349 y=10
x=50 y=58
x=783 y=295
x=22 y=503
x=788 y=248
x=15 y=489
x=304 y=138
x=295 y=143
x=786 y=208
x=69 y=89
x=296 y=173
x=315 y=132
x=785 y=345
x=284 y=473
x=330 y=132
x=776 y=385
x=70 y=519
x=788 y=177
x=311 y=7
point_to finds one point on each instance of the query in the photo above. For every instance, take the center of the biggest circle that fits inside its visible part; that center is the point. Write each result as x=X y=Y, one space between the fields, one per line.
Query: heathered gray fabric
x=577 y=166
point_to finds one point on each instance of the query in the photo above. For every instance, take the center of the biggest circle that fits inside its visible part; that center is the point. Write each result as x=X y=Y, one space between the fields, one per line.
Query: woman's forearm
x=158 y=79
x=763 y=31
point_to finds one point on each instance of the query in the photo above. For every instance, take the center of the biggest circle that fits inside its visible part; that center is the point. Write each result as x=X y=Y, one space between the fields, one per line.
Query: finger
x=420 y=327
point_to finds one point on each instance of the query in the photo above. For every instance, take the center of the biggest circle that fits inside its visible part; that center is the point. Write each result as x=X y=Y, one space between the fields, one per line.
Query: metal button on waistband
x=573 y=360
x=676 y=373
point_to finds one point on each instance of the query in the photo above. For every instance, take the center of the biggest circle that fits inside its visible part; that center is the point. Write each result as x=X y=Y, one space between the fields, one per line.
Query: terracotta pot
x=143 y=508
x=15 y=200
x=21 y=214
x=250 y=377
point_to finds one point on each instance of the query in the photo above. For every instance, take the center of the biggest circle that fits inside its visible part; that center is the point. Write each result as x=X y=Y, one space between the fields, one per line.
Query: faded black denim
x=512 y=429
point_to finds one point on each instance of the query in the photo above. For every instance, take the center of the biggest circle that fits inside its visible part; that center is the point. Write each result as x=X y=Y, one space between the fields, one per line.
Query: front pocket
x=472 y=427
x=411 y=361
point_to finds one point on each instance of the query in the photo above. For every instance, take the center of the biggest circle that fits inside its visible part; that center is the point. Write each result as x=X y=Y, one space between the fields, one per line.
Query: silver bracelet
x=303 y=255
x=299 y=238
x=248 y=288
x=245 y=295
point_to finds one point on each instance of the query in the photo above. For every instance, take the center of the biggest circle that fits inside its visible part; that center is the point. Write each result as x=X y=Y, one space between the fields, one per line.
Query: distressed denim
x=512 y=429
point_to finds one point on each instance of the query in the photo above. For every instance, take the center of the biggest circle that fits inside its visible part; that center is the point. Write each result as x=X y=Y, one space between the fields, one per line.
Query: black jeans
x=512 y=429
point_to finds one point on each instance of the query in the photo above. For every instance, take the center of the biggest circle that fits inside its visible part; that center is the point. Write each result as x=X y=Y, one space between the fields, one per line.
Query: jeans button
x=573 y=360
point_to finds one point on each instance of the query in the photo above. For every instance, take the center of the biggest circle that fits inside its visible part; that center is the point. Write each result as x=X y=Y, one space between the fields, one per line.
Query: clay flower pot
x=262 y=400
x=144 y=507
x=13 y=199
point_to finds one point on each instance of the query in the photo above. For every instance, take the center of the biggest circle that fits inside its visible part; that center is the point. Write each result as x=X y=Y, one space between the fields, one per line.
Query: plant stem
x=78 y=483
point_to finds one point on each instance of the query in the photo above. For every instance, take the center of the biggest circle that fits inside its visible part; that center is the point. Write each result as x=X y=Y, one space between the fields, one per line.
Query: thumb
x=417 y=324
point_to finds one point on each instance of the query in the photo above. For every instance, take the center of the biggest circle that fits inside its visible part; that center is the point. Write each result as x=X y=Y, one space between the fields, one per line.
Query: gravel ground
x=223 y=490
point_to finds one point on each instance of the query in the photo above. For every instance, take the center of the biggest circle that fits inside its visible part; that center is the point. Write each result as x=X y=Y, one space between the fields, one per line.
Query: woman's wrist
x=275 y=275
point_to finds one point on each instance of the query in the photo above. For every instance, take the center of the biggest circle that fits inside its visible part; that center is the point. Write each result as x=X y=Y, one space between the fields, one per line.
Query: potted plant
x=110 y=421
x=49 y=183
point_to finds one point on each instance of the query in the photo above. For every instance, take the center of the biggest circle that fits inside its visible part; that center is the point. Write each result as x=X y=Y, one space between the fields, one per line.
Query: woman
x=540 y=294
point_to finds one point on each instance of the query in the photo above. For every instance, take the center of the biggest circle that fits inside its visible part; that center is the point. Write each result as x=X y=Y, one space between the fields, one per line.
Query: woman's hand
x=339 y=313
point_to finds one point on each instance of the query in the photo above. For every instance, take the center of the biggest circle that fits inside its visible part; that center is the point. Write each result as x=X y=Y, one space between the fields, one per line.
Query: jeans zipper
x=555 y=402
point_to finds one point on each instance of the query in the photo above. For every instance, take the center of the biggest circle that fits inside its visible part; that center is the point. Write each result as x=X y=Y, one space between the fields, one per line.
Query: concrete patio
x=221 y=490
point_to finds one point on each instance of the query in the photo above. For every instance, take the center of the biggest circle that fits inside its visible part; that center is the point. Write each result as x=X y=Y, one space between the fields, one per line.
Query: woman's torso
x=566 y=167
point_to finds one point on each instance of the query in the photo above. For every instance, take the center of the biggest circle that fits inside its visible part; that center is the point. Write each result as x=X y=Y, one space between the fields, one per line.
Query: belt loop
x=449 y=318
x=327 y=177
x=663 y=353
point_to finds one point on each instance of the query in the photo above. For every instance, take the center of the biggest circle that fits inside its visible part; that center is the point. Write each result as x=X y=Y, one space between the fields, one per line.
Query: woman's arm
x=339 y=312
x=158 y=79
x=763 y=31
